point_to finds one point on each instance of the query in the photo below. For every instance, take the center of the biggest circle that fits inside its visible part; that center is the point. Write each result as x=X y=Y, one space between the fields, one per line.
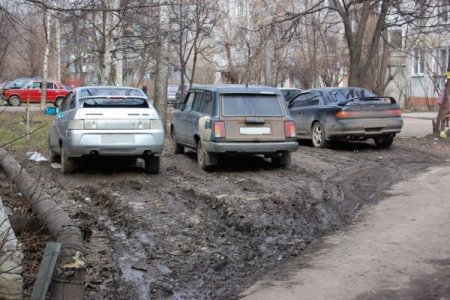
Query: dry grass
x=13 y=131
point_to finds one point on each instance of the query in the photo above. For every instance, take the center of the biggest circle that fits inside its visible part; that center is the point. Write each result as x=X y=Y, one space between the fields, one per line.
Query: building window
x=418 y=62
x=444 y=10
x=443 y=60
x=395 y=38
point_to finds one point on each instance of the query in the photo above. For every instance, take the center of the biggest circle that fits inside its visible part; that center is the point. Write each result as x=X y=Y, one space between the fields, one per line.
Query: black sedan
x=326 y=114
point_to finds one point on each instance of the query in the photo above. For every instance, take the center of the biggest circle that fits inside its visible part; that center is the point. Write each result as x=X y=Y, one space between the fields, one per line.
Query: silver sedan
x=106 y=121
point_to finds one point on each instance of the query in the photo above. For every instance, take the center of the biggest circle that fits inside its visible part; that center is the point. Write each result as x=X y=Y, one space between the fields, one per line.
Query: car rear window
x=99 y=91
x=115 y=102
x=345 y=94
x=251 y=105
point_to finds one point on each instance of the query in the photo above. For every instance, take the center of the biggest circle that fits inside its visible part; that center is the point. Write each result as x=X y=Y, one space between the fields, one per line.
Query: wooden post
x=45 y=271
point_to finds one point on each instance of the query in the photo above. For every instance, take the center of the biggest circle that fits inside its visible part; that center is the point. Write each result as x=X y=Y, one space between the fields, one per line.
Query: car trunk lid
x=253 y=117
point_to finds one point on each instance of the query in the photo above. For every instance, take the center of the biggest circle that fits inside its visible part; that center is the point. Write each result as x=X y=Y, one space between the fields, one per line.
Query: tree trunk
x=48 y=22
x=162 y=66
x=439 y=124
x=232 y=72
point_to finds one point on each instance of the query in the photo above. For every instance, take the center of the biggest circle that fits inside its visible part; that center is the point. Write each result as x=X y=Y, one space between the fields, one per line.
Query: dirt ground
x=190 y=234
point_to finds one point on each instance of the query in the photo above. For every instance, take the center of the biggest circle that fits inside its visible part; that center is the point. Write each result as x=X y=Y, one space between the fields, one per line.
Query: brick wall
x=421 y=103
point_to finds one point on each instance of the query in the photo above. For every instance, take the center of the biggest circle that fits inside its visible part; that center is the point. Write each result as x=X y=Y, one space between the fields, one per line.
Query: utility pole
x=162 y=64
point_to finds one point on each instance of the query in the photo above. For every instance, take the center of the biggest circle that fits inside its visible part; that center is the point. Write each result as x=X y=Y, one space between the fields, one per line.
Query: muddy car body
x=350 y=113
x=234 y=120
x=106 y=121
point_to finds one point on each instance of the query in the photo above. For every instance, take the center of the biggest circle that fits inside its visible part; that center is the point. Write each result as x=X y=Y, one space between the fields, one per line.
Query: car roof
x=289 y=88
x=328 y=88
x=236 y=88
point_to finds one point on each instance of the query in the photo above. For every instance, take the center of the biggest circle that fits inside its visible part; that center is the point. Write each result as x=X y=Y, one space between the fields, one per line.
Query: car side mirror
x=51 y=111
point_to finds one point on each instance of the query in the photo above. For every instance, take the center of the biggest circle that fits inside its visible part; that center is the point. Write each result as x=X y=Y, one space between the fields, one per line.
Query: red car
x=31 y=93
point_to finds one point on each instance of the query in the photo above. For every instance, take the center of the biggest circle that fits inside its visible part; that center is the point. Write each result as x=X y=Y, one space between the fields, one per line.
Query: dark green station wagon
x=234 y=120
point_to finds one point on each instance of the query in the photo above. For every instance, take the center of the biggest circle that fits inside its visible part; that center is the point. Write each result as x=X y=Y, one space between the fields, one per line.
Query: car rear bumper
x=364 y=127
x=105 y=143
x=254 y=148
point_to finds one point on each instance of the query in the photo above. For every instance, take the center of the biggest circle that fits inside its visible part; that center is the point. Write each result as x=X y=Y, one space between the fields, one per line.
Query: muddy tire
x=384 y=141
x=54 y=158
x=67 y=163
x=58 y=101
x=152 y=164
x=281 y=161
x=14 y=101
x=318 y=136
x=204 y=157
x=176 y=147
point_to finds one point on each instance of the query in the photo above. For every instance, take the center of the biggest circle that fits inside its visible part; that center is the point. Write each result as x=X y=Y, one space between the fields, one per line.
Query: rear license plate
x=374 y=123
x=117 y=139
x=255 y=130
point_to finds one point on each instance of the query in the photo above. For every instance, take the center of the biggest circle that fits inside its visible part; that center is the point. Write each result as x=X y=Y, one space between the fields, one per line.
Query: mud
x=190 y=234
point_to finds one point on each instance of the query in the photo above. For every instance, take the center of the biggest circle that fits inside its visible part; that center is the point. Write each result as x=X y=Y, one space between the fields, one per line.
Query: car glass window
x=198 y=101
x=50 y=86
x=71 y=103
x=207 y=103
x=190 y=100
x=115 y=91
x=299 y=101
x=115 y=101
x=345 y=94
x=66 y=102
x=36 y=85
x=312 y=101
x=251 y=105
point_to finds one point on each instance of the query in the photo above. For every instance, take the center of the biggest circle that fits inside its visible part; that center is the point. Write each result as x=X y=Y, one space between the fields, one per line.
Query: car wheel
x=67 y=163
x=14 y=101
x=384 y=141
x=281 y=161
x=53 y=156
x=203 y=157
x=318 y=136
x=152 y=164
x=58 y=101
x=176 y=148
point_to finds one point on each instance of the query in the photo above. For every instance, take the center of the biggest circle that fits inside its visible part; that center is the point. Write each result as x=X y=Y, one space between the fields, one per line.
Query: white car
x=106 y=121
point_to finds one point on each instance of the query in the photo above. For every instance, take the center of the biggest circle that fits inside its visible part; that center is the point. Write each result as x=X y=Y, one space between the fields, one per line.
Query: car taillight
x=76 y=124
x=394 y=112
x=219 y=129
x=369 y=113
x=289 y=129
x=346 y=114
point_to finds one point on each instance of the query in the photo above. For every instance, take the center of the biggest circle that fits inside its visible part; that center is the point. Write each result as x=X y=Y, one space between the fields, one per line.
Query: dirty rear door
x=253 y=117
x=193 y=117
